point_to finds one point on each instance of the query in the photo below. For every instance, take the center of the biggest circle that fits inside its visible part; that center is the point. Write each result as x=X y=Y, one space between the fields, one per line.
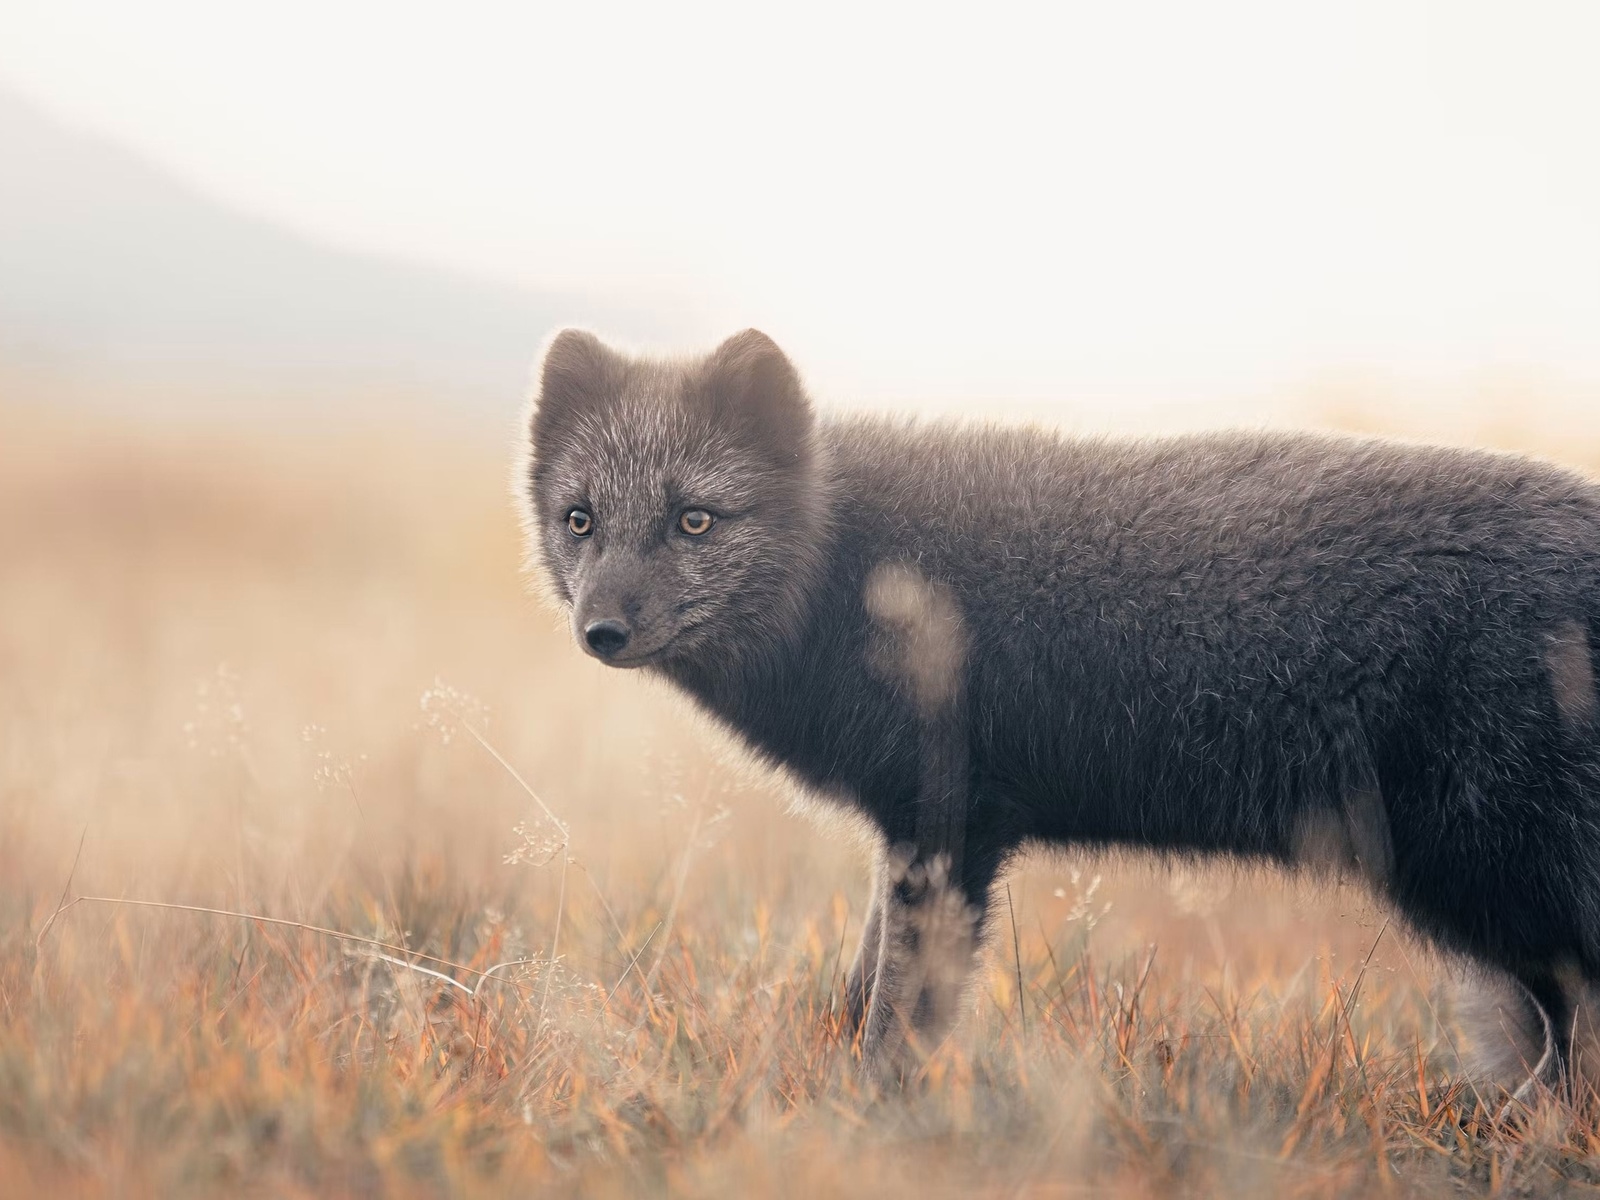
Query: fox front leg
x=922 y=934
x=928 y=939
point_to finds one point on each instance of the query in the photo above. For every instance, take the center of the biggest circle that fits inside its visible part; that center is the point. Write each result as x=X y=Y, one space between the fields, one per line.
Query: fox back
x=1315 y=651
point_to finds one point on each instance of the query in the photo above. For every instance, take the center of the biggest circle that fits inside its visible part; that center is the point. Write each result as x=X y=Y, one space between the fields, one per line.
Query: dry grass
x=218 y=665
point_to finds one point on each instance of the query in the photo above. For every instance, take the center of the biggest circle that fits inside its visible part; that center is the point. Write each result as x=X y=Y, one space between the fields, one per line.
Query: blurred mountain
x=114 y=272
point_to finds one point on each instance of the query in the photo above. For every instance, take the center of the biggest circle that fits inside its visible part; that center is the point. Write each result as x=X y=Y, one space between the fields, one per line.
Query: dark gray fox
x=1291 y=648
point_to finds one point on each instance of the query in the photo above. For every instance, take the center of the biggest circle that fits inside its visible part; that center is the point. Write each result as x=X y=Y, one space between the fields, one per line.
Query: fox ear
x=752 y=382
x=579 y=371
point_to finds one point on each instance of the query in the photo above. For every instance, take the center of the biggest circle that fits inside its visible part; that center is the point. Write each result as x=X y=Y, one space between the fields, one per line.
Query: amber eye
x=696 y=521
x=580 y=523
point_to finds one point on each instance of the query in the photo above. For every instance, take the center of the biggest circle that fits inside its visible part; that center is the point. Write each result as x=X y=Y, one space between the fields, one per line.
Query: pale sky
x=1112 y=201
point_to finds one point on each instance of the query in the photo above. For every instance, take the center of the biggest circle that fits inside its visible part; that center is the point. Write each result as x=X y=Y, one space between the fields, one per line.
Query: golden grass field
x=590 y=951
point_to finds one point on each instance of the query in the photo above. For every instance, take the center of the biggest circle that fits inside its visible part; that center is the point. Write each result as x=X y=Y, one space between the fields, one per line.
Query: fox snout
x=606 y=638
x=619 y=617
x=610 y=632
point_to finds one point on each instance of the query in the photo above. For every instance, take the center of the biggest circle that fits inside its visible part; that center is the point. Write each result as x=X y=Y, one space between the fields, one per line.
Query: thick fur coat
x=1291 y=648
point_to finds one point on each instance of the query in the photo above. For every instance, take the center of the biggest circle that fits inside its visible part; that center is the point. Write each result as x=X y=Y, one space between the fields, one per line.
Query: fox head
x=674 y=508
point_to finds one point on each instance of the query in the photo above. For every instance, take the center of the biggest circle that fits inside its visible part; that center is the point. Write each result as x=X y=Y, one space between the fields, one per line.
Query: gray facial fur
x=637 y=443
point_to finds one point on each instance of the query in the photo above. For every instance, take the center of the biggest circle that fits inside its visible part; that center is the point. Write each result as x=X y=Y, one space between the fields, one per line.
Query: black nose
x=606 y=638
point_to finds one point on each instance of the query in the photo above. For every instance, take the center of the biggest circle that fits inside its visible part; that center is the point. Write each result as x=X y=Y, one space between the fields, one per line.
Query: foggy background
x=1142 y=215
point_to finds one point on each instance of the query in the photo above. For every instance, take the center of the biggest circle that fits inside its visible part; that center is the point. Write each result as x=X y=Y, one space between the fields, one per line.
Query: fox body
x=1301 y=649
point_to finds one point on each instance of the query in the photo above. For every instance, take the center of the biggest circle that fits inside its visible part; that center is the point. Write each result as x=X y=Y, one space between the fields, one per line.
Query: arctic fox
x=1291 y=648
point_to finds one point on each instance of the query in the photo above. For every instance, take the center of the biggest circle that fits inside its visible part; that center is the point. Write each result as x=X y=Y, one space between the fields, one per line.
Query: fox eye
x=695 y=521
x=580 y=523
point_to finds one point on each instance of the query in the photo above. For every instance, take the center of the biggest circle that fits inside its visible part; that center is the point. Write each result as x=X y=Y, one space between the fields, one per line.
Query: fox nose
x=606 y=638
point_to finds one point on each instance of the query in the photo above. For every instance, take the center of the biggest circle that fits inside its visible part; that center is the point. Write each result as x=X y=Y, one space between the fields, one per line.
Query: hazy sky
x=1096 y=200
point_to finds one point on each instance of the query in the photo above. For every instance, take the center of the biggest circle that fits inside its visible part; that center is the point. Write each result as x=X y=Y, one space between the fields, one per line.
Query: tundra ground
x=463 y=913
